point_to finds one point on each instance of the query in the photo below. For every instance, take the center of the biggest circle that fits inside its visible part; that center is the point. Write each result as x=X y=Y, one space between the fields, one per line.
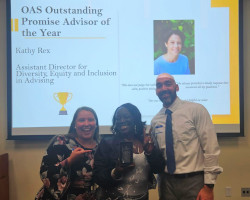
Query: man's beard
x=167 y=101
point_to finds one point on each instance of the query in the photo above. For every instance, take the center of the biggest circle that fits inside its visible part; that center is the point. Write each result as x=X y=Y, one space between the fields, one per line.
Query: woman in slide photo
x=172 y=62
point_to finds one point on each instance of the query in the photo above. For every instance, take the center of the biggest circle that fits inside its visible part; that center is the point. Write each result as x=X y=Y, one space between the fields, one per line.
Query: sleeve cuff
x=210 y=178
x=115 y=177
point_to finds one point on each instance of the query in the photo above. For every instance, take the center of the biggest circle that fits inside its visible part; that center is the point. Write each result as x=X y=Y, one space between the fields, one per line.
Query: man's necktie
x=169 y=143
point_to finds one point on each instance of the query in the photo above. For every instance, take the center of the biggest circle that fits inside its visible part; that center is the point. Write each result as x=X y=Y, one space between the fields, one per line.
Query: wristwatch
x=210 y=185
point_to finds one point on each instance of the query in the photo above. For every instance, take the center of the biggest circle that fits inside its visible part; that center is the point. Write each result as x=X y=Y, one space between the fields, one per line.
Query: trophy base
x=63 y=112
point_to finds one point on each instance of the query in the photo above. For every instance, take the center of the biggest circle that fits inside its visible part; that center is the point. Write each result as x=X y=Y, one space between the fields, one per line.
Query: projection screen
x=66 y=54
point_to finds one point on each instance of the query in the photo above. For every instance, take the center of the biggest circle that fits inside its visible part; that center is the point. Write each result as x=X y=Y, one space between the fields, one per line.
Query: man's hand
x=206 y=193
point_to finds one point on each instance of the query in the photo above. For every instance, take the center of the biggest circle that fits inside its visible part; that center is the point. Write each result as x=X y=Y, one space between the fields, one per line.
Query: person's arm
x=153 y=154
x=156 y=161
x=104 y=164
x=156 y=66
x=210 y=147
x=54 y=170
x=187 y=69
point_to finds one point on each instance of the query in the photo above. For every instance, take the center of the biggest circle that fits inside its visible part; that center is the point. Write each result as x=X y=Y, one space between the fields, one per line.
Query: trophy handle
x=55 y=95
x=70 y=97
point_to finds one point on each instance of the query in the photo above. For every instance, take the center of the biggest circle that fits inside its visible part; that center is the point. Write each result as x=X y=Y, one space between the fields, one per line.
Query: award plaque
x=126 y=153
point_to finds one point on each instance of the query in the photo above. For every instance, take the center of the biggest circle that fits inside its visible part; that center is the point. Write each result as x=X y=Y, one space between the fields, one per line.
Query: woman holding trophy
x=124 y=163
x=66 y=169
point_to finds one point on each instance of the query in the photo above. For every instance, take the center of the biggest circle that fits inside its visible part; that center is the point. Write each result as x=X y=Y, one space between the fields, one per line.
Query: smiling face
x=85 y=125
x=166 y=89
x=124 y=121
x=174 y=45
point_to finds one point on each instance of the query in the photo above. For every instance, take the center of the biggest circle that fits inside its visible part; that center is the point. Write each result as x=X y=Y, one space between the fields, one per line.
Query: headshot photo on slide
x=174 y=47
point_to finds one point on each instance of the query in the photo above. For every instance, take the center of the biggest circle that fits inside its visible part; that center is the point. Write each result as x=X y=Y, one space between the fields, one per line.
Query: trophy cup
x=62 y=98
x=126 y=153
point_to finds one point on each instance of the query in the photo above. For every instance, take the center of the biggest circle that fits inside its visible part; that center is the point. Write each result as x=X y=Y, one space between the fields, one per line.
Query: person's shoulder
x=57 y=142
x=107 y=139
x=183 y=57
x=59 y=139
x=157 y=65
x=108 y=143
x=190 y=102
x=158 y=115
x=159 y=59
x=193 y=105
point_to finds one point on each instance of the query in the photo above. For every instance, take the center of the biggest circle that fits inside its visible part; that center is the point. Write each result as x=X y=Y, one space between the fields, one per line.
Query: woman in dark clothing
x=132 y=181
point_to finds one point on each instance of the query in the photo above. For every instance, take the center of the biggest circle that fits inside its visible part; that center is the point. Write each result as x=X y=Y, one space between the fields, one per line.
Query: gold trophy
x=62 y=98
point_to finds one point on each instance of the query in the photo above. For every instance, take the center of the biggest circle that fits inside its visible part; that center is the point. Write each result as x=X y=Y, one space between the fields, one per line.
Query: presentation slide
x=67 y=54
